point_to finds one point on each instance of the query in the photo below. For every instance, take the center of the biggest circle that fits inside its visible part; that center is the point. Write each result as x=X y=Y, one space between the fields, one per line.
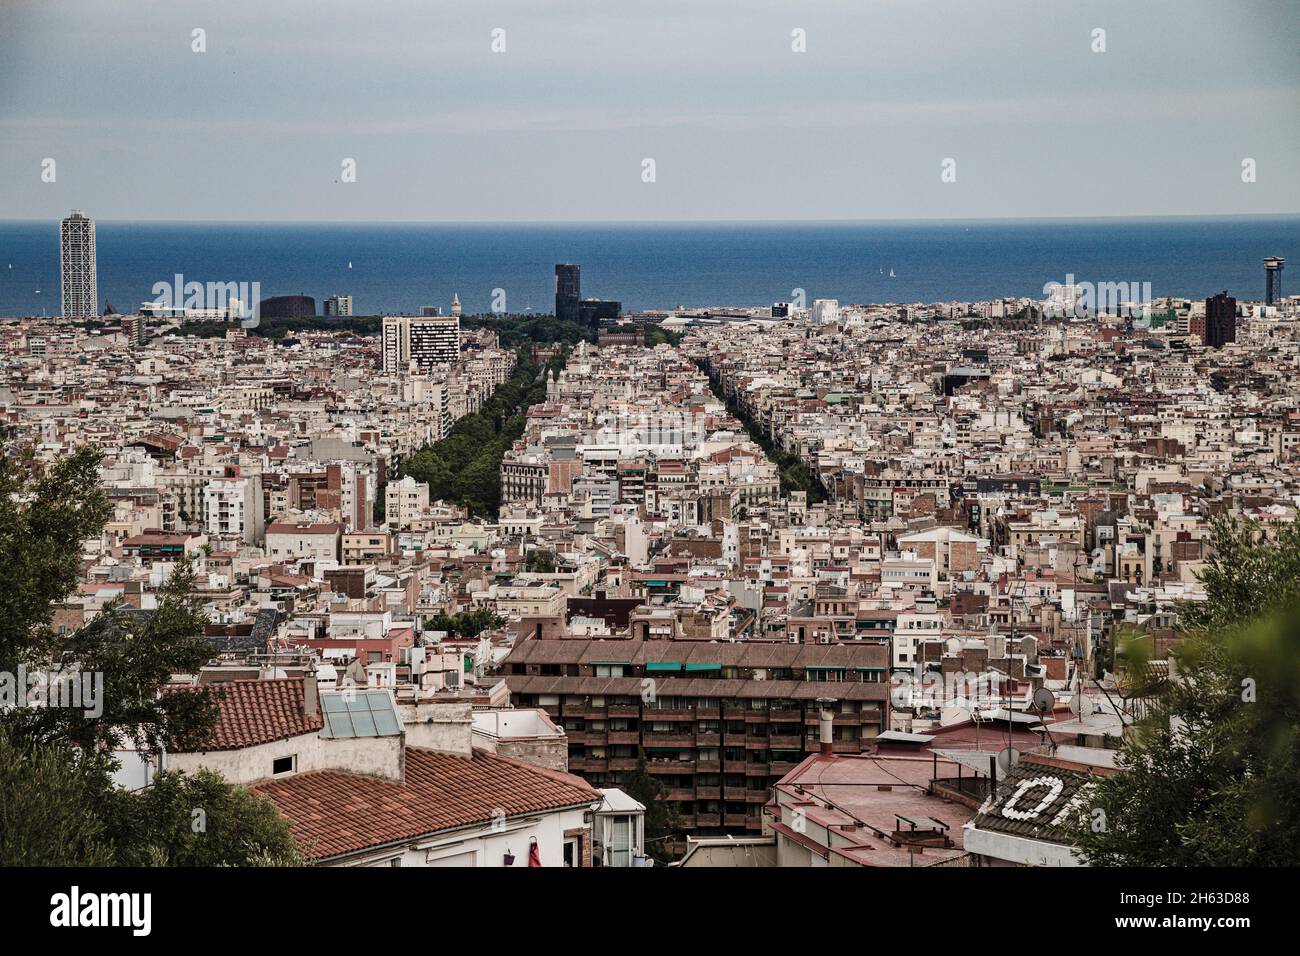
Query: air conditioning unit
x=453 y=679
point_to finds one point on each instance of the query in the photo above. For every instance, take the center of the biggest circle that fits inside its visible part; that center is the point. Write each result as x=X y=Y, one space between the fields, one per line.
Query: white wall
x=375 y=756
x=481 y=846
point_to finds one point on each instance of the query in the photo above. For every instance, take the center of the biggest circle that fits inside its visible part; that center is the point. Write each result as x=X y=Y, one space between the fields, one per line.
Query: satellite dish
x=1008 y=757
x=1044 y=699
x=1075 y=703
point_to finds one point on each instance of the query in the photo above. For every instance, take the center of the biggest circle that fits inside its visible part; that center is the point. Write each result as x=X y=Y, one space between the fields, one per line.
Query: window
x=283 y=765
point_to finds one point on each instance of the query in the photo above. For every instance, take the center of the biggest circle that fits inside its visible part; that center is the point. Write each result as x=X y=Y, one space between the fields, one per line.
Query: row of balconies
x=749 y=715
x=750 y=768
x=703 y=821
x=686 y=741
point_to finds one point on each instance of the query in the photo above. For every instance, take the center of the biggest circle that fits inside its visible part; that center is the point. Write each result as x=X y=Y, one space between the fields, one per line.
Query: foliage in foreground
x=58 y=802
x=1210 y=774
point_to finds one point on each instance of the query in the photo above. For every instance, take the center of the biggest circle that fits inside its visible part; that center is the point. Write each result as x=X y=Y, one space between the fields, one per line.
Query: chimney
x=827 y=726
x=310 y=694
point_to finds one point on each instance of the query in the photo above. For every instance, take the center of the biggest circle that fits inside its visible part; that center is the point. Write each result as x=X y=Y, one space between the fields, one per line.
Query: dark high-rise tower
x=1220 y=320
x=1273 y=279
x=568 y=291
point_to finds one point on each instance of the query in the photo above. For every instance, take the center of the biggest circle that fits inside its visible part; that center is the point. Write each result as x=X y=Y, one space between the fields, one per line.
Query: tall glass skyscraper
x=77 y=280
x=1273 y=279
x=568 y=291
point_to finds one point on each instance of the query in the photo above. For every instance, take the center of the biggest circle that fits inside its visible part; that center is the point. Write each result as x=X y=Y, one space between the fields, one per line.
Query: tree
x=49 y=807
x=199 y=820
x=1209 y=776
x=465 y=467
x=58 y=802
x=44 y=521
x=467 y=623
x=660 y=813
x=539 y=561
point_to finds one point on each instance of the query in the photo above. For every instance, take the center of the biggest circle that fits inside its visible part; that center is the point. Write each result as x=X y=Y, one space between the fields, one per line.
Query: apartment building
x=719 y=723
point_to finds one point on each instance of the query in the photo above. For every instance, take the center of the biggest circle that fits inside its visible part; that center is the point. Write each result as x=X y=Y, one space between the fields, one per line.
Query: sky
x=558 y=126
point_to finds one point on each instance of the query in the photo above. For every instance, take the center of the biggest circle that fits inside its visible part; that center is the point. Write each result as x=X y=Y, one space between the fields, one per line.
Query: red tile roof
x=260 y=711
x=333 y=813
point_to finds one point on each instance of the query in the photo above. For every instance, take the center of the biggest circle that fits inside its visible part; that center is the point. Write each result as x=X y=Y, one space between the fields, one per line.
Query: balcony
x=708 y=766
x=681 y=794
x=756 y=717
x=757 y=796
x=757 y=769
x=708 y=793
x=652 y=713
x=703 y=820
x=581 y=710
x=733 y=792
x=622 y=763
x=631 y=737
x=840 y=720
x=708 y=713
x=707 y=740
x=734 y=821
x=670 y=766
x=778 y=768
x=781 y=742
x=756 y=743
x=624 y=710
x=660 y=739
x=784 y=716
x=686 y=821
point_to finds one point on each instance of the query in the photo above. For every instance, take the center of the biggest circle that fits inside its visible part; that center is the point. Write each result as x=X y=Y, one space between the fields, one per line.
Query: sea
x=394 y=268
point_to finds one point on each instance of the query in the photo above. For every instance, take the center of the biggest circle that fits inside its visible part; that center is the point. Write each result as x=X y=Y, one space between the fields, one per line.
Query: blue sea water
x=398 y=267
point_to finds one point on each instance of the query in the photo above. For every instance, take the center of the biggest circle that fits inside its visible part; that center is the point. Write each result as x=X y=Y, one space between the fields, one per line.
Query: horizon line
x=982 y=220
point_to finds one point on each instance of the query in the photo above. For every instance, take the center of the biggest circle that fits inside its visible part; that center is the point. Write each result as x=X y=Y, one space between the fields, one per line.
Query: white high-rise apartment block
x=338 y=305
x=405 y=503
x=825 y=311
x=77 y=279
x=427 y=342
x=234 y=508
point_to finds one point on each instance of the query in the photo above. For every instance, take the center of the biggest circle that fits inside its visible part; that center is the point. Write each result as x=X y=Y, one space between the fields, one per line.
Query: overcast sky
x=557 y=126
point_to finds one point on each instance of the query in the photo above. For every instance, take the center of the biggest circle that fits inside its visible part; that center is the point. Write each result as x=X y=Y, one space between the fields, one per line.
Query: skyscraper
x=427 y=342
x=1220 y=320
x=77 y=280
x=596 y=312
x=338 y=305
x=1273 y=279
x=568 y=291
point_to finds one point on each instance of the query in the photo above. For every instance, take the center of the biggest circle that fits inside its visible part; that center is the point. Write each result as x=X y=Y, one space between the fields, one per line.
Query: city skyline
x=758 y=435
